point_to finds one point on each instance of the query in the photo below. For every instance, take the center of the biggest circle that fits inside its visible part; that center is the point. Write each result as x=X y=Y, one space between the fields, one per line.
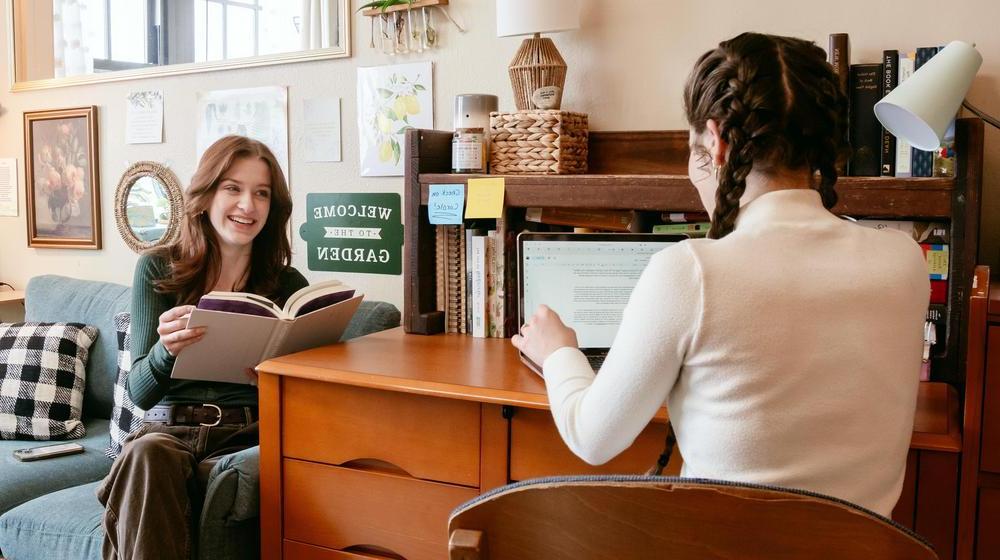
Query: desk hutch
x=366 y=446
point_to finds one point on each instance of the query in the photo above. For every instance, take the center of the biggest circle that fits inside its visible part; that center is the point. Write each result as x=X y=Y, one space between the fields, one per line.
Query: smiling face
x=241 y=203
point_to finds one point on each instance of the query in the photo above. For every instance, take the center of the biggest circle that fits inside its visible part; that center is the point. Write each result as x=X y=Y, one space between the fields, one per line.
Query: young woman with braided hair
x=786 y=345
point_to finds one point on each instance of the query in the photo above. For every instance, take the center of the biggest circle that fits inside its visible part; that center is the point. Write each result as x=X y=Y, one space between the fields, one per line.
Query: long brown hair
x=777 y=103
x=195 y=258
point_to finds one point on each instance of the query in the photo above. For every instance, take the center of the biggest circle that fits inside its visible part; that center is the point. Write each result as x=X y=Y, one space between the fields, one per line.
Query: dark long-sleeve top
x=149 y=381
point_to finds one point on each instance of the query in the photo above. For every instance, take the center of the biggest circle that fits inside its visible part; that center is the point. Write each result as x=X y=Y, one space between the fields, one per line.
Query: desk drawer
x=536 y=449
x=427 y=437
x=293 y=550
x=338 y=508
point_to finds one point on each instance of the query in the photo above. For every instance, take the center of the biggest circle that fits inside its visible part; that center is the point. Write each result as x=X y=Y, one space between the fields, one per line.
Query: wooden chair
x=636 y=517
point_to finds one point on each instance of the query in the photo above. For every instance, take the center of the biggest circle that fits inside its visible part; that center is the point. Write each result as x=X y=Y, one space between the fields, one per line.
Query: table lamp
x=920 y=109
x=537 y=72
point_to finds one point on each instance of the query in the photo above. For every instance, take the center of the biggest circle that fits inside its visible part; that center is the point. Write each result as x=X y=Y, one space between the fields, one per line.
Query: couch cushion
x=63 y=525
x=42 y=369
x=20 y=482
x=371 y=317
x=126 y=417
x=58 y=298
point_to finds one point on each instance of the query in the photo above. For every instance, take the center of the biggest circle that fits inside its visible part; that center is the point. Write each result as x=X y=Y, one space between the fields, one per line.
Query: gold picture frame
x=62 y=181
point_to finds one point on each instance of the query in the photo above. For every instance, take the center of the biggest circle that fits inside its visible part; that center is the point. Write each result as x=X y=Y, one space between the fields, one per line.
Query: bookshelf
x=646 y=171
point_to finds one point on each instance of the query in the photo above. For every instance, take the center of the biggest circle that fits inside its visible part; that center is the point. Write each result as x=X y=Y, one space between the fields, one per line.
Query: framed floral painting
x=62 y=182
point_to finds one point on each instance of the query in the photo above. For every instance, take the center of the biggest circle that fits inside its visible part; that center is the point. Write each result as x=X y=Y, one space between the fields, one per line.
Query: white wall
x=627 y=67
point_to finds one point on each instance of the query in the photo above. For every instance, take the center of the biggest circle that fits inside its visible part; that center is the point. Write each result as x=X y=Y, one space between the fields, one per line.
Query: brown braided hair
x=777 y=103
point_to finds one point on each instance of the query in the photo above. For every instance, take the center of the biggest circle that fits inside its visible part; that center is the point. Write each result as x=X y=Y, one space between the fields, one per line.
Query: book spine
x=453 y=278
x=904 y=69
x=684 y=217
x=922 y=162
x=937 y=260
x=479 y=286
x=866 y=132
x=938 y=314
x=609 y=220
x=839 y=56
x=697 y=229
x=439 y=267
x=890 y=77
x=494 y=315
x=463 y=255
x=939 y=291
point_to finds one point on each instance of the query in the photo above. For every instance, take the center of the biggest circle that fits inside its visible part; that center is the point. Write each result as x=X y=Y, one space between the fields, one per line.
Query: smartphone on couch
x=47 y=451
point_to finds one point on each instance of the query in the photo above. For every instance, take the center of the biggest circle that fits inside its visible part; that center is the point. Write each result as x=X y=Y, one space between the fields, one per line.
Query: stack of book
x=876 y=152
x=474 y=278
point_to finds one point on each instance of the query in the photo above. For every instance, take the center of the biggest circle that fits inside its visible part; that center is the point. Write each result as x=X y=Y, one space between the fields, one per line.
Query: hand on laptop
x=543 y=334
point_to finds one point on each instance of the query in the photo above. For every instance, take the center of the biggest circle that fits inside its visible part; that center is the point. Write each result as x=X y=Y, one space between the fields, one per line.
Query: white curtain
x=69 y=38
x=319 y=24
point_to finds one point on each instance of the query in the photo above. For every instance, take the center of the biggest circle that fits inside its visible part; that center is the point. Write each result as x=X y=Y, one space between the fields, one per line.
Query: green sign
x=354 y=232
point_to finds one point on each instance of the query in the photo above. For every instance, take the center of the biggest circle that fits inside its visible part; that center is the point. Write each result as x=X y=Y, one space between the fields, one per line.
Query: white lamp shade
x=526 y=17
x=920 y=109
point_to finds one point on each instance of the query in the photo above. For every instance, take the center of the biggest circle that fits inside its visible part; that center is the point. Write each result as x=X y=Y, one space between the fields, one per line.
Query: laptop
x=586 y=278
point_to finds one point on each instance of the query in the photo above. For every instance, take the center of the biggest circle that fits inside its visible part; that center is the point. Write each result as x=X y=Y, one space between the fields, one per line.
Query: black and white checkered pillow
x=42 y=373
x=126 y=417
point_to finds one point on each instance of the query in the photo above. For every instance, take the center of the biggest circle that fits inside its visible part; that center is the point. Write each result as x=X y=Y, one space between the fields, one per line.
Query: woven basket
x=538 y=141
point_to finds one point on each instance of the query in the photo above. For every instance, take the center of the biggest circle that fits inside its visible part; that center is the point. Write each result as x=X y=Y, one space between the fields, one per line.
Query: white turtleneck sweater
x=787 y=352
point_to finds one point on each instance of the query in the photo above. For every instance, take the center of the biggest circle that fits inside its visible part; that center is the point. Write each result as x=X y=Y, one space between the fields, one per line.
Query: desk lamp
x=537 y=63
x=920 y=109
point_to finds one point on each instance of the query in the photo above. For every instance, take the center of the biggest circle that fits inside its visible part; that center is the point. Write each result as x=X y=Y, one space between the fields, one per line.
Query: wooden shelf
x=399 y=7
x=861 y=196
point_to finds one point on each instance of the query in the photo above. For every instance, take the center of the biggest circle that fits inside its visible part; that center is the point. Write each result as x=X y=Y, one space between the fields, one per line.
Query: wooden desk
x=368 y=445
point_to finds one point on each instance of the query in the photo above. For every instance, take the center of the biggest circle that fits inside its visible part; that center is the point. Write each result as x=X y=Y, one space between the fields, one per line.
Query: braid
x=778 y=104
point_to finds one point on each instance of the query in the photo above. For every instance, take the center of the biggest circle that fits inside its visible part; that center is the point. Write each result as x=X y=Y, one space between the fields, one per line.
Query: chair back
x=634 y=517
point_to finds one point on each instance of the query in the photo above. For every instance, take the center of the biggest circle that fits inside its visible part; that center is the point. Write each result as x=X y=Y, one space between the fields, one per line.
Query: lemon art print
x=390 y=100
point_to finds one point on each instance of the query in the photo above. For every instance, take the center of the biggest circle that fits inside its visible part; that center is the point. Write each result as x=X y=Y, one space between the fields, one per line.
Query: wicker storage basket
x=538 y=141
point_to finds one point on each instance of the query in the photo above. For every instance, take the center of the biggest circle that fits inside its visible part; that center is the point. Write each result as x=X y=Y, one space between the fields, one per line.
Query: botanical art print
x=390 y=100
x=63 y=190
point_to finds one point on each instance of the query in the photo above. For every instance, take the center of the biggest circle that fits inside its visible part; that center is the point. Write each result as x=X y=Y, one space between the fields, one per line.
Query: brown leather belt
x=201 y=414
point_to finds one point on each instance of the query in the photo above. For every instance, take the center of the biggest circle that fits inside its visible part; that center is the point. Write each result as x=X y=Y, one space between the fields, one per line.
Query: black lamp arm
x=979 y=113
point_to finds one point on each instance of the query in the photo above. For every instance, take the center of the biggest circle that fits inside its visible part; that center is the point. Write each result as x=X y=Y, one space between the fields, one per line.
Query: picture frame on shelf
x=62 y=180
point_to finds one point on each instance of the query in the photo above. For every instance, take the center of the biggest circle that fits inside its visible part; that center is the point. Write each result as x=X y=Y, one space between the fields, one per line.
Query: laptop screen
x=586 y=278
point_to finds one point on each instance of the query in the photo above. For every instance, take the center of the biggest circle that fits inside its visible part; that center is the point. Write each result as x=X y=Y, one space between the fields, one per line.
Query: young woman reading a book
x=786 y=346
x=233 y=238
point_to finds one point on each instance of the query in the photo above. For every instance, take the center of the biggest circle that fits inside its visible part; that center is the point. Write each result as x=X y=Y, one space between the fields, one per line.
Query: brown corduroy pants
x=153 y=494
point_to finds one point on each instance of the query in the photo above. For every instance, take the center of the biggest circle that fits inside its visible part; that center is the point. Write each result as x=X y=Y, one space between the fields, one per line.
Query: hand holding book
x=173 y=330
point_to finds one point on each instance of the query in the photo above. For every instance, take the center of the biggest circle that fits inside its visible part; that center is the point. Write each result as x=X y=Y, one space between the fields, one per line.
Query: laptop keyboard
x=596 y=360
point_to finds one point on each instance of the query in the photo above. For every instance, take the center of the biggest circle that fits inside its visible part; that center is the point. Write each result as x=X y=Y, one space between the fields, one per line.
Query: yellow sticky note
x=484 y=198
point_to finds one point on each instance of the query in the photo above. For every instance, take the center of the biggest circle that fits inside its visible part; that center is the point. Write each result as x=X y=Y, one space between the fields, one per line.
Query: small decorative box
x=538 y=141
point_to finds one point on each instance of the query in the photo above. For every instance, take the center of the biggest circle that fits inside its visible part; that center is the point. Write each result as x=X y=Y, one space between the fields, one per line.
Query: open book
x=243 y=329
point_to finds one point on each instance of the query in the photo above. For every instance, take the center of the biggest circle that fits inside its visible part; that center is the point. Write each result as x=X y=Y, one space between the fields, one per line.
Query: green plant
x=384 y=4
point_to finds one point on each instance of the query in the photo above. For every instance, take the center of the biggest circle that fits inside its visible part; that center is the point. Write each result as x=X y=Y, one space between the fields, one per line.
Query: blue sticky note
x=445 y=203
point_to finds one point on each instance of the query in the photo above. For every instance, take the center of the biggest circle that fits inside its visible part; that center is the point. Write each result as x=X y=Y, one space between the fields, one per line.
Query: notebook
x=586 y=278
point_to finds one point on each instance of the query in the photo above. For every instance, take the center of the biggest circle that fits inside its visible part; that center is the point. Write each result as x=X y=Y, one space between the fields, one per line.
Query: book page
x=238 y=304
x=321 y=327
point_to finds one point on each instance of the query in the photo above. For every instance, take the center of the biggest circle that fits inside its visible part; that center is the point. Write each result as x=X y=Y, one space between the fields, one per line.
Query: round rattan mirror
x=148 y=206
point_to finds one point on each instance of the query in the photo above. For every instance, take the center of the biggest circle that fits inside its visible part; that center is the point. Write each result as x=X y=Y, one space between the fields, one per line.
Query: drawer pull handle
x=374 y=550
x=378 y=465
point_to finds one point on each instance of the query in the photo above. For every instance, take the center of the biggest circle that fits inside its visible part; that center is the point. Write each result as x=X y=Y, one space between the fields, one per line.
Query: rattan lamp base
x=536 y=64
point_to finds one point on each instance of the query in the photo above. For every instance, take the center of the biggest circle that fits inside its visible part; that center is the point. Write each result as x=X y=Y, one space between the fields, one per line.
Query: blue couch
x=49 y=508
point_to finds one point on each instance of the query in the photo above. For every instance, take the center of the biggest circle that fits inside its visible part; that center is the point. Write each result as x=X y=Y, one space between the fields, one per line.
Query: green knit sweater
x=149 y=381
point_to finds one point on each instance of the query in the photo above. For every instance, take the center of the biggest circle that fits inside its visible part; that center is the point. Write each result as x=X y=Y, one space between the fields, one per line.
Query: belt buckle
x=218 y=419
